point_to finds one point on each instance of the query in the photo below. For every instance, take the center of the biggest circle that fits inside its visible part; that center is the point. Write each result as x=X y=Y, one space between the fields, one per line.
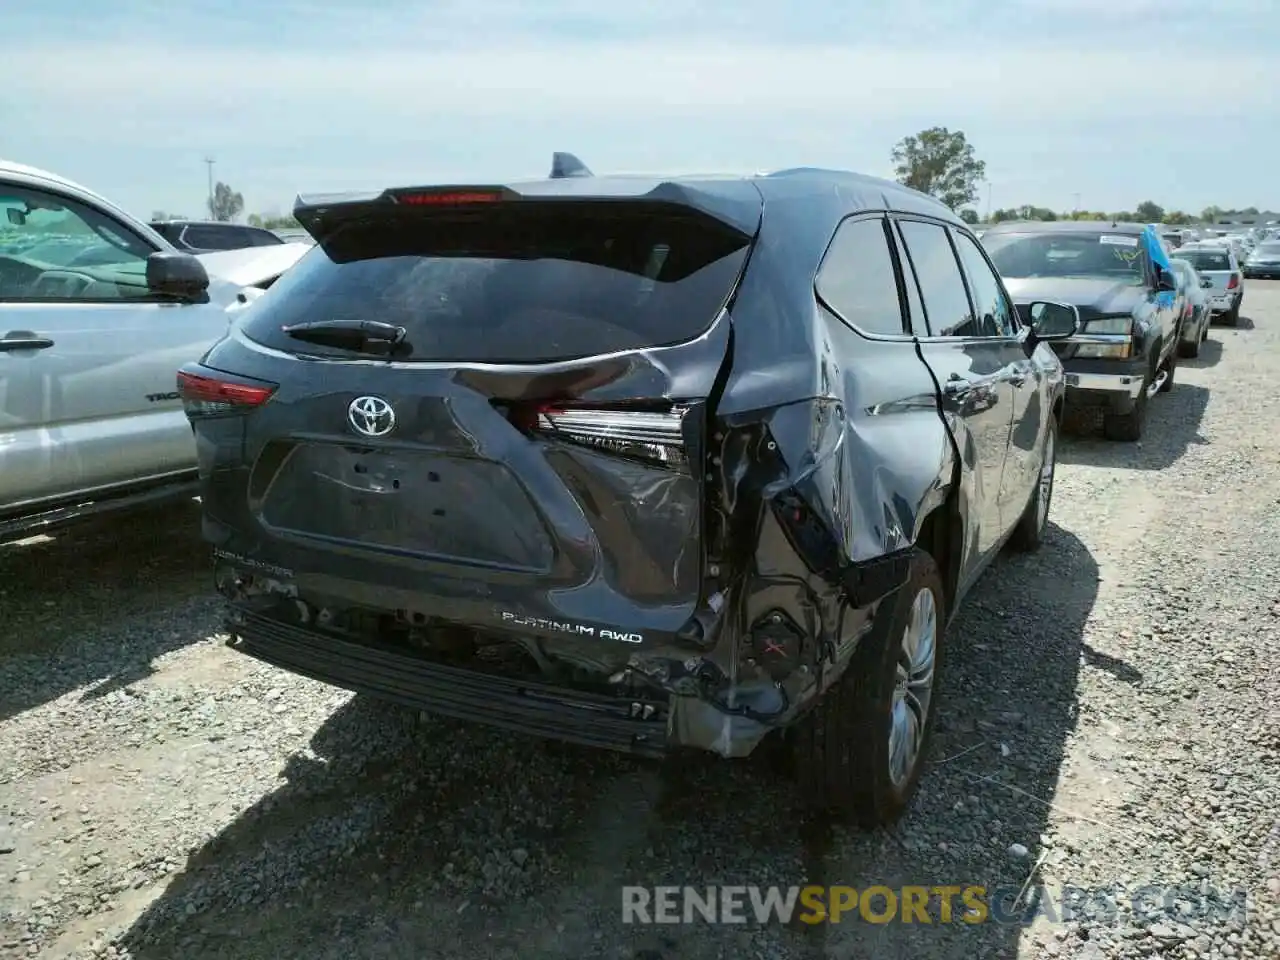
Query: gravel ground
x=1111 y=723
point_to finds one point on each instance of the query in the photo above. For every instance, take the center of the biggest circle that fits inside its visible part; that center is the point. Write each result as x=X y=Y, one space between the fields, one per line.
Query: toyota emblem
x=371 y=416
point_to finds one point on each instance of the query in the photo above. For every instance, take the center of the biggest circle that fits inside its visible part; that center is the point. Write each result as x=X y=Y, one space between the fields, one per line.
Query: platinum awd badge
x=569 y=627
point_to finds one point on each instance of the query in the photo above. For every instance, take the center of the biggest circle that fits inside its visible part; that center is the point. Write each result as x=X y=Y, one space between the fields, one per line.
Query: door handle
x=25 y=343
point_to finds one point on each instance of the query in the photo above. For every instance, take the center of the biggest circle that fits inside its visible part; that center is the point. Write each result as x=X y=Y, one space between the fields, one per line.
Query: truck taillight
x=208 y=395
x=1233 y=282
x=656 y=436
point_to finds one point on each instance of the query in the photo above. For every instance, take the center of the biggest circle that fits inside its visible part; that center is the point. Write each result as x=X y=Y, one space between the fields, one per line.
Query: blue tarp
x=1155 y=249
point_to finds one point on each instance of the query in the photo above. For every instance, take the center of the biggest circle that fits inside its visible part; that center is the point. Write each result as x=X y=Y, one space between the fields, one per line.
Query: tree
x=1031 y=212
x=1177 y=218
x=939 y=162
x=225 y=204
x=1211 y=214
x=254 y=220
x=1149 y=212
x=969 y=215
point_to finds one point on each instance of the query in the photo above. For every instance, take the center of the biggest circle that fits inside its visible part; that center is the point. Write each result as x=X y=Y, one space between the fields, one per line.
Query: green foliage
x=225 y=204
x=1149 y=212
x=939 y=162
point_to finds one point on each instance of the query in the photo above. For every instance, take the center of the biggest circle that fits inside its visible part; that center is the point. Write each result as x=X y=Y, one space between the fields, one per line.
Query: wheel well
x=1059 y=406
x=942 y=537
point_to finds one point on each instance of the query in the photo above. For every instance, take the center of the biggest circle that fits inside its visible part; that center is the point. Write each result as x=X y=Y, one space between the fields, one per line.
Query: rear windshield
x=1270 y=249
x=1206 y=259
x=1107 y=255
x=530 y=283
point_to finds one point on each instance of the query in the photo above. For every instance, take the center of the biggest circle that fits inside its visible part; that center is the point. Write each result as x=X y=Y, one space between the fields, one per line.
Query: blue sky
x=1114 y=100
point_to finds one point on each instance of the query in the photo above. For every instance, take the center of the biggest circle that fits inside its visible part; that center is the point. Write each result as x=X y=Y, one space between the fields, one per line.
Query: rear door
x=974 y=367
x=530 y=455
x=86 y=357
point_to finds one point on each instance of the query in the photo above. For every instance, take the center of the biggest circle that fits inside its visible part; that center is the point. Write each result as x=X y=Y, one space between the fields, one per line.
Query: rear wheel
x=1028 y=535
x=1232 y=316
x=1170 y=368
x=860 y=752
x=1191 y=349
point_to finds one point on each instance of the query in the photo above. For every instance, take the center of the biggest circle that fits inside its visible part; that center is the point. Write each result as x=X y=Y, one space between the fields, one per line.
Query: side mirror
x=1053 y=321
x=1165 y=280
x=16 y=216
x=177 y=275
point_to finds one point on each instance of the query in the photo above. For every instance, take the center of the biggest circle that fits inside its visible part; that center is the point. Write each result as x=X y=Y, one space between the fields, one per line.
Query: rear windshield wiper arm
x=370 y=336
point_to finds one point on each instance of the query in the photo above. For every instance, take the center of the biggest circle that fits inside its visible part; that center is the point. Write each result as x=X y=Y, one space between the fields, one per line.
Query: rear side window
x=212 y=237
x=857 y=278
x=946 y=302
x=530 y=283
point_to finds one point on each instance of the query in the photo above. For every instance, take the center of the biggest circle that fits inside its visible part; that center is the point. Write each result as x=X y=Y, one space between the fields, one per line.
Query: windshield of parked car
x=1206 y=259
x=1085 y=255
x=1268 y=249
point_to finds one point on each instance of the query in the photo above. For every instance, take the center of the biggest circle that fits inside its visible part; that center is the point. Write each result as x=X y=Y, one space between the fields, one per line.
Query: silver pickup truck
x=97 y=311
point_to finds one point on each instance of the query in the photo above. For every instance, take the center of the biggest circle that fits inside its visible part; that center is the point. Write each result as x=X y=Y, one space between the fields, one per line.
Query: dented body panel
x=700 y=592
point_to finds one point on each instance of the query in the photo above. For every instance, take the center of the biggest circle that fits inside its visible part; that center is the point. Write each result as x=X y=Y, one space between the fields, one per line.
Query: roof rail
x=567 y=165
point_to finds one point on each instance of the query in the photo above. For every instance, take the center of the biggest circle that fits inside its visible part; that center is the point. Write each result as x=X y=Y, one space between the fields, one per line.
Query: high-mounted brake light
x=211 y=397
x=447 y=199
x=640 y=434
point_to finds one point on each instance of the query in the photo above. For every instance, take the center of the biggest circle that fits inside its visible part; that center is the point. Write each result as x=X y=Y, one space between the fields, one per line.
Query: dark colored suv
x=640 y=464
x=196 y=236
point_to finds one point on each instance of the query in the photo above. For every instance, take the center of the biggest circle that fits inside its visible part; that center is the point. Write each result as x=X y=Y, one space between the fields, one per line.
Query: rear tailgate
x=529 y=456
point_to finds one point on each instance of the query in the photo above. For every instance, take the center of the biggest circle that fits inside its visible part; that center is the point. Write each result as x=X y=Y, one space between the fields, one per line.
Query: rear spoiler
x=569 y=181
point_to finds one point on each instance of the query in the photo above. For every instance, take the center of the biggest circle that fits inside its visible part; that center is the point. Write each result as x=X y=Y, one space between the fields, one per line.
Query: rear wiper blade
x=351 y=334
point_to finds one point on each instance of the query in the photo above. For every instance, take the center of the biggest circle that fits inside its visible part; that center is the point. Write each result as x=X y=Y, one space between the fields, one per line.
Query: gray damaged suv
x=635 y=463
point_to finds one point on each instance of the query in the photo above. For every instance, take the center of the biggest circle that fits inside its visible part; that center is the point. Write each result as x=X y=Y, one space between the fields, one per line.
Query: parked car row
x=1141 y=308
x=644 y=464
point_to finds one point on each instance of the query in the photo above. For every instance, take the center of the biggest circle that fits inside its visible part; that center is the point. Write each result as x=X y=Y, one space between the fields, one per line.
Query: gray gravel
x=1111 y=723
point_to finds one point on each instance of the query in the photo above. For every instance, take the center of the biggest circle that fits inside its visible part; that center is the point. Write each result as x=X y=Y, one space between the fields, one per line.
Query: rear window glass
x=527 y=285
x=1206 y=259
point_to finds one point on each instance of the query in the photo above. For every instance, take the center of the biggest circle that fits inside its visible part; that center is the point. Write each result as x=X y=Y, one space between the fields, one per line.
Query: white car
x=97 y=312
x=1217 y=263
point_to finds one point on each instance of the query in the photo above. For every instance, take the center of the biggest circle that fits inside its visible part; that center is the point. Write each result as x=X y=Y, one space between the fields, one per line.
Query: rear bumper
x=636 y=727
x=1223 y=302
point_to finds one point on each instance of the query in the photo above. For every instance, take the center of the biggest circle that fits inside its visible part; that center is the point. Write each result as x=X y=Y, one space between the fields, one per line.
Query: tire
x=1028 y=535
x=1191 y=349
x=1127 y=427
x=1232 y=317
x=841 y=749
x=1171 y=368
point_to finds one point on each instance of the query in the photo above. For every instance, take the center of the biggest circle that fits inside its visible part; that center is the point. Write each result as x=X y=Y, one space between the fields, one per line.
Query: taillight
x=1233 y=282
x=656 y=436
x=212 y=396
